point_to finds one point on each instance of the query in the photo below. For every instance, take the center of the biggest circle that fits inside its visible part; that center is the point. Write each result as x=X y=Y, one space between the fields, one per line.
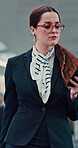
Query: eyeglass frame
x=52 y=26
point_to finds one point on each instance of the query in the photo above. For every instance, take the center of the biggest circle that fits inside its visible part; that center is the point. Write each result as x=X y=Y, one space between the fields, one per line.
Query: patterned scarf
x=40 y=70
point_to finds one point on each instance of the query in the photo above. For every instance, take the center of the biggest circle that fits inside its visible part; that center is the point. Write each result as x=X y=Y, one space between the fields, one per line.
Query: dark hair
x=35 y=15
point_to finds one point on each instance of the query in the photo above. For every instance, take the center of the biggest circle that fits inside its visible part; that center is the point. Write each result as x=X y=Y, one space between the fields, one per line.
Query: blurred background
x=15 y=36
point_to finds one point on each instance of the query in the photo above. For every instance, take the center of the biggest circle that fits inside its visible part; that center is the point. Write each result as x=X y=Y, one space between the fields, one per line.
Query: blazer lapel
x=56 y=70
x=27 y=61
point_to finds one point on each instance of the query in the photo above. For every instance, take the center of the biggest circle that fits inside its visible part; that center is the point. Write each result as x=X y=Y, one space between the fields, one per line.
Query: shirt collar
x=35 y=52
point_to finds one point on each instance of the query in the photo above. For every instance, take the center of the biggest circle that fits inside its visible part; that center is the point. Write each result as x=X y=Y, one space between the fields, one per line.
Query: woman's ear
x=32 y=29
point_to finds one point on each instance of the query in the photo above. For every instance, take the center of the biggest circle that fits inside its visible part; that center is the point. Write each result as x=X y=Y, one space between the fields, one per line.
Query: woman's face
x=44 y=36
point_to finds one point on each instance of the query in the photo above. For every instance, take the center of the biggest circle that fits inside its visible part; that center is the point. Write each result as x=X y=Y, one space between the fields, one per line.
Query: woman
x=38 y=101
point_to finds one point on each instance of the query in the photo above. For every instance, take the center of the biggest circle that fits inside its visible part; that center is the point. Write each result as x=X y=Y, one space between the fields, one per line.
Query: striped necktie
x=40 y=69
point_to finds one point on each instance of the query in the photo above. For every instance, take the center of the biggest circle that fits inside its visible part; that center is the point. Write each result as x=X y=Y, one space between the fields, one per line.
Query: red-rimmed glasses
x=49 y=27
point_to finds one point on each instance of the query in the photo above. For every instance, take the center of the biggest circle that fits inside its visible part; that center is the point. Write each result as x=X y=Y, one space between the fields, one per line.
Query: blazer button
x=43 y=109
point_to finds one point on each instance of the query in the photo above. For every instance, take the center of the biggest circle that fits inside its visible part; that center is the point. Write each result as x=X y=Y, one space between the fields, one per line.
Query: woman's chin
x=53 y=43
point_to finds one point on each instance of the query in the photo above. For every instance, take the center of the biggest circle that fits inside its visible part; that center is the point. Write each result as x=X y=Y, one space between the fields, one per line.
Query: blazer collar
x=27 y=61
x=56 y=70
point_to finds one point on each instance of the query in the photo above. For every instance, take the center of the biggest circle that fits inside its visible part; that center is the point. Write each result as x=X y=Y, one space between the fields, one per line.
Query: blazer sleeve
x=11 y=104
x=72 y=108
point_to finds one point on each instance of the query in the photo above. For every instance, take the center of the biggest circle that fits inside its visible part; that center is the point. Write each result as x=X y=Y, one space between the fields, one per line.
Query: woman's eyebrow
x=51 y=22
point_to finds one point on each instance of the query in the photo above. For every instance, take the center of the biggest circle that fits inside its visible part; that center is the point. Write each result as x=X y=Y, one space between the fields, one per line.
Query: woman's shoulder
x=68 y=62
x=66 y=54
x=66 y=51
x=18 y=58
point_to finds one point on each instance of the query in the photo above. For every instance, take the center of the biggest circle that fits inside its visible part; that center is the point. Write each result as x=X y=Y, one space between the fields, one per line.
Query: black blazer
x=1 y=114
x=24 y=110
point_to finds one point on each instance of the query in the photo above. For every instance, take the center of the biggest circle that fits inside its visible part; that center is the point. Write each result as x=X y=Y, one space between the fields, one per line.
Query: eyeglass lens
x=49 y=27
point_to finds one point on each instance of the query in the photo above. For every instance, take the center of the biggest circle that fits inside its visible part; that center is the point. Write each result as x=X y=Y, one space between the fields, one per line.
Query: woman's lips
x=53 y=37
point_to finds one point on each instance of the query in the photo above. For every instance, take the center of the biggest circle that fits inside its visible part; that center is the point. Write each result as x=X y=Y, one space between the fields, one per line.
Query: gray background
x=15 y=36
